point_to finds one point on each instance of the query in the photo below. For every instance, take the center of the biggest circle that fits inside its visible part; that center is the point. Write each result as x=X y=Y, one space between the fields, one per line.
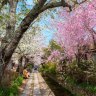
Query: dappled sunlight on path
x=40 y=86
x=28 y=88
x=36 y=86
x=36 y=89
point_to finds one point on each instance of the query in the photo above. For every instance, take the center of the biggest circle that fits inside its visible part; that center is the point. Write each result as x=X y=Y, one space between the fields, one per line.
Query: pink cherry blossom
x=54 y=54
x=76 y=28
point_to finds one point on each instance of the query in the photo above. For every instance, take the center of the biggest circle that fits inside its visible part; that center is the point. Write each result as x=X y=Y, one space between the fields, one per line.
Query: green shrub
x=13 y=89
x=89 y=87
x=19 y=80
x=50 y=67
x=85 y=65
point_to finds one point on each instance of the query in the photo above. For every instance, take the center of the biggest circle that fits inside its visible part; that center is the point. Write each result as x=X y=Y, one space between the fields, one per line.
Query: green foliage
x=73 y=64
x=85 y=64
x=54 y=46
x=50 y=67
x=82 y=75
x=1 y=17
x=18 y=81
x=89 y=87
x=70 y=80
x=47 y=52
x=13 y=89
x=30 y=66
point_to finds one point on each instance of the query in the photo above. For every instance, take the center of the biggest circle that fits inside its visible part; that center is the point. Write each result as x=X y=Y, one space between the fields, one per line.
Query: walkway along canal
x=36 y=86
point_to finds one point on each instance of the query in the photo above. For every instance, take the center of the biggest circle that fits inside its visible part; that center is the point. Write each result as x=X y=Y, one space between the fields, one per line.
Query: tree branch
x=76 y=2
x=55 y=4
x=59 y=4
x=31 y=16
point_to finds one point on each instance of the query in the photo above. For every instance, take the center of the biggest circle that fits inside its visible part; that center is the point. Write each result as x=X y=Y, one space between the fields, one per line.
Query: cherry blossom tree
x=77 y=28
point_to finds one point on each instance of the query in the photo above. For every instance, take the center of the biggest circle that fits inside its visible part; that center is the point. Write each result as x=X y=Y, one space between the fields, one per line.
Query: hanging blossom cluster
x=77 y=28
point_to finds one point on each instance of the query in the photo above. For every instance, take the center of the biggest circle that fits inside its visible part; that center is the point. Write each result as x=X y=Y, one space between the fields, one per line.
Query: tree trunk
x=6 y=54
x=20 y=67
x=3 y=65
x=94 y=40
x=10 y=28
x=33 y=14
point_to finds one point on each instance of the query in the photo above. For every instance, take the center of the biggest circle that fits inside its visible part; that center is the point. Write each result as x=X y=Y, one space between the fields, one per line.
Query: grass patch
x=85 y=85
x=89 y=87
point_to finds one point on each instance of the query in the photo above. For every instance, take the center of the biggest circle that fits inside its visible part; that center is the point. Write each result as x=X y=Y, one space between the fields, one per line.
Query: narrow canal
x=56 y=88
